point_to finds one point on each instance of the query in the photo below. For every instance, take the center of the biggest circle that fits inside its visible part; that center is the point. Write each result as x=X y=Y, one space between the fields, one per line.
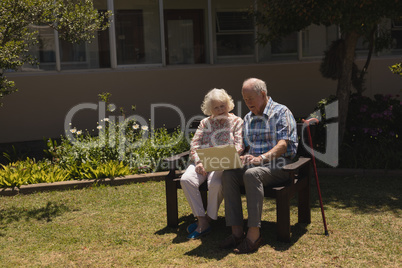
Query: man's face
x=255 y=101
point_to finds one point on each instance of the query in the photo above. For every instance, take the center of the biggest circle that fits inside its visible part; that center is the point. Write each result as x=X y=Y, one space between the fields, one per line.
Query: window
x=137 y=26
x=316 y=39
x=196 y=32
x=130 y=37
x=73 y=56
x=234 y=34
x=44 y=51
x=286 y=46
x=396 y=33
x=234 y=22
x=362 y=47
x=87 y=55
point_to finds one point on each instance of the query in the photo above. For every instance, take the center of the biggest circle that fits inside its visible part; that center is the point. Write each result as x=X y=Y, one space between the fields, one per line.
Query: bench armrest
x=177 y=156
x=302 y=161
x=175 y=161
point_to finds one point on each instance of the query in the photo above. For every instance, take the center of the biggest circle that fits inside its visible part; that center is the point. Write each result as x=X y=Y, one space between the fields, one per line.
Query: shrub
x=373 y=135
x=109 y=155
x=396 y=69
x=93 y=170
x=373 y=132
x=29 y=172
x=120 y=148
x=132 y=145
x=374 y=119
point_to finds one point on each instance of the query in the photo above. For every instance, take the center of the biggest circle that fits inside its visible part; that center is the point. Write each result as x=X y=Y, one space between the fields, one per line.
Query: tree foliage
x=284 y=17
x=75 y=21
x=355 y=18
x=396 y=69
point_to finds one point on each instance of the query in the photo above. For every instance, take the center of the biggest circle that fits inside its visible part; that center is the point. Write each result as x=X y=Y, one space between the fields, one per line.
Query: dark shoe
x=196 y=235
x=191 y=228
x=231 y=241
x=247 y=246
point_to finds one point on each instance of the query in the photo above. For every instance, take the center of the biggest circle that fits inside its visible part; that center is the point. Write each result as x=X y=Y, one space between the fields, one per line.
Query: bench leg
x=304 y=210
x=171 y=203
x=283 y=215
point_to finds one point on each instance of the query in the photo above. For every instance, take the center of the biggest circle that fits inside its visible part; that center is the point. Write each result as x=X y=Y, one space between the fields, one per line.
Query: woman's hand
x=246 y=159
x=199 y=168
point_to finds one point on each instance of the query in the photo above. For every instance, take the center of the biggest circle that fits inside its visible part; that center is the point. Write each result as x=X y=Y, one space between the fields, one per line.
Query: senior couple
x=267 y=134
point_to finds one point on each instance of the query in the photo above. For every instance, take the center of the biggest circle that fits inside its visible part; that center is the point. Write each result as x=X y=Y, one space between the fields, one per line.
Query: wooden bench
x=299 y=185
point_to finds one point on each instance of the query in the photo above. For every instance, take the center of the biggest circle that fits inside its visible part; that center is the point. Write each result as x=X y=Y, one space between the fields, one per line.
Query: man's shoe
x=248 y=247
x=231 y=241
x=191 y=228
x=196 y=235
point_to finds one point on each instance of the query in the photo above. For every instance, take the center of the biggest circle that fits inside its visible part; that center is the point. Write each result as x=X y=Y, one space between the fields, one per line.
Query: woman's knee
x=188 y=180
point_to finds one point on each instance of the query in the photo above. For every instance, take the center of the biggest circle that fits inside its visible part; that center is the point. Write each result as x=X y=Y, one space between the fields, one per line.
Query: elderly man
x=271 y=138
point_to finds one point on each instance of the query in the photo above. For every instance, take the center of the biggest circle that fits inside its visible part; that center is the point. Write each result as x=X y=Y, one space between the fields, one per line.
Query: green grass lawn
x=125 y=226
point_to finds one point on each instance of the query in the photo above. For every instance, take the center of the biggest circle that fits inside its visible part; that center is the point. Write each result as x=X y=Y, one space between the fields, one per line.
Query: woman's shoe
x=196 y=235
x=191 y=228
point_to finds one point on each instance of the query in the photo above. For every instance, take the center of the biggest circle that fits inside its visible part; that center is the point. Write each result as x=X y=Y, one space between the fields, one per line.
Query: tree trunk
x=345 y=81
x=370 y=53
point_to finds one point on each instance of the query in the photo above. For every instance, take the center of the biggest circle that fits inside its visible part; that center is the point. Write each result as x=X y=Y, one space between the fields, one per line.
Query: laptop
x=220 y=158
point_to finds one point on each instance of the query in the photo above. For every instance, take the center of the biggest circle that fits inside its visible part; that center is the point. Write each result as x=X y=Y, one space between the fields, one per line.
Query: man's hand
x=278 y=150
x=257 y=161
x=248 y=159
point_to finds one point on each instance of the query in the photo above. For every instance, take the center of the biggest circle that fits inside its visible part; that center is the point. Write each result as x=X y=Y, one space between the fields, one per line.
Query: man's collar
x=268 y=106
x=266 y=109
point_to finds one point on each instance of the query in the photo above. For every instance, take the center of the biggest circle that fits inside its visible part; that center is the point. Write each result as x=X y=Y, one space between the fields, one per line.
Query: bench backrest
x=301 y=133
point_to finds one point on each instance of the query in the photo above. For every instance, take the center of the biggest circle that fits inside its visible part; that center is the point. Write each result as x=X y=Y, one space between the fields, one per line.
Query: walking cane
x=307 y=122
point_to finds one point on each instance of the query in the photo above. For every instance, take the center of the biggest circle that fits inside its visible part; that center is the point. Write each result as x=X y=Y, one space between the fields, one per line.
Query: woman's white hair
x=216 y=94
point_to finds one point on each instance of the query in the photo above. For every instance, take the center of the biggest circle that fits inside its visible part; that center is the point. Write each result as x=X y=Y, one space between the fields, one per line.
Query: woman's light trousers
x=191 y=180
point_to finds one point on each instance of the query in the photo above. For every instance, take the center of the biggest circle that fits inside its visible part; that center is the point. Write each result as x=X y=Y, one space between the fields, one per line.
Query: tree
x=355 y=18
x=75 y=20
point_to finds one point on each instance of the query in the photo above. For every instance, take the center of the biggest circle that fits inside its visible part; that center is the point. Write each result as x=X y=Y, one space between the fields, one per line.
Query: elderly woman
x=220 y=128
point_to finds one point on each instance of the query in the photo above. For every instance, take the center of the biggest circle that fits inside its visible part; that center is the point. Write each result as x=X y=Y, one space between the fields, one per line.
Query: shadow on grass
x=45 y=213
x=361 y=194
x=209 y=248
x=369 y=194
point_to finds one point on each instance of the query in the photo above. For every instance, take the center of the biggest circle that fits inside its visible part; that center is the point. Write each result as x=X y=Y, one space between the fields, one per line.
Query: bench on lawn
x=299 y=185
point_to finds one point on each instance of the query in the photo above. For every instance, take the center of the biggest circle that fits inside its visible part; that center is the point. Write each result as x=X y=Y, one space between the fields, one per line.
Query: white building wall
x=39 y=108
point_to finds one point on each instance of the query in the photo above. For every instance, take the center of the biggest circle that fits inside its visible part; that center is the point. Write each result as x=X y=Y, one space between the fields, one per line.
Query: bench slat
x=176 y=157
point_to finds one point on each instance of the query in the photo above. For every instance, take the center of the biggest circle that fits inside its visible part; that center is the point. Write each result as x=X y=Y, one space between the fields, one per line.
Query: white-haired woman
x=219 y=128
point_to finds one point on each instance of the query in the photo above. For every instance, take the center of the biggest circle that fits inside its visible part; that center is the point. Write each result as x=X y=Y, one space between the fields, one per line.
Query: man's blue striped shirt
x=262 y=133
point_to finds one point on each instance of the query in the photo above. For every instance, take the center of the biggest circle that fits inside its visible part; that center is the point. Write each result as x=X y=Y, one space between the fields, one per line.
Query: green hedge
x=83 y=156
